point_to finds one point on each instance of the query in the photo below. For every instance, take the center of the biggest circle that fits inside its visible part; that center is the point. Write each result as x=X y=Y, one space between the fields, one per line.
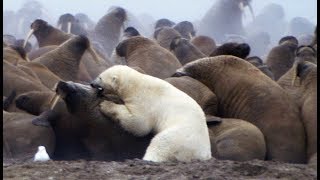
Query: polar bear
x=154 y=105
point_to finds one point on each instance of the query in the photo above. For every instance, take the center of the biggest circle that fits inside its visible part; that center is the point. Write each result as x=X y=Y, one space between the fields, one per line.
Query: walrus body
x=153 y=59
x=246 y=93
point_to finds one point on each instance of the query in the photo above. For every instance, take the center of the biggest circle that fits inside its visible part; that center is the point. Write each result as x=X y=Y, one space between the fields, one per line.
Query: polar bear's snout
x=97 y=84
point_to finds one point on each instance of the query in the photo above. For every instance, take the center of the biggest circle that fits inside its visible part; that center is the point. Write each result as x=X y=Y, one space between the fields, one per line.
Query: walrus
x=68 y=130
x=306 y=53
x=165 y=35
x=15 y=79
x=130 y=32
x=185 y=51
x=186 y=29
x=231 y=139
x=257 y=61
x=85 y=21
x=64 y=60
x=236 y=139
x=301 y=82
x=204 y=43
x=224 y=17
x=127 y=33
x=241 y=50
x=100 y=138
x=69 y=24
x=14 y=54
x=46 y=34
x=7 y=101
x=280 y=58
x=108 y=28
x=244 y=92
x=153 y=59
x=83 y=74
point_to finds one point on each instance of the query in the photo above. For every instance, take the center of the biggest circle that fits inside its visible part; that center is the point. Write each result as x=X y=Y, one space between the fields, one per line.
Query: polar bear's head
x=109 y=81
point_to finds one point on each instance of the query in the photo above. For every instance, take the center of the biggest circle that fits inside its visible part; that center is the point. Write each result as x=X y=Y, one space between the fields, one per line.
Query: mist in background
x=261 y=35
x=178 y=10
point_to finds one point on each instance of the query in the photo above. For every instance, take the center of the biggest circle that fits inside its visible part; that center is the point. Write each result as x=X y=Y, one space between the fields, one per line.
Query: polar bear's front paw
x=107 y=107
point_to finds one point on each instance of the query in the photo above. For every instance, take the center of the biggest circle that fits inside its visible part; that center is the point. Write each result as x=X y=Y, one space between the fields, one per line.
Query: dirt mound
x=139 y=169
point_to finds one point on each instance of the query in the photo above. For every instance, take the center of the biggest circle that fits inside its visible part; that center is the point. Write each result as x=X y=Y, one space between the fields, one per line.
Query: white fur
x=151 y=104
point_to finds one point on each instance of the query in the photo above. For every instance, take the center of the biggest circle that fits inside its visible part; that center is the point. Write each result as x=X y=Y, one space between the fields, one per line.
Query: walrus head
x=131 y=31
x=163 y=23
x=241 y=50
x=288 y=39
x=119 y=13
x=306 y=53
x=303 y=70
x=81 y=98
x=39 y=28
x=66 y=19
x=186 y=29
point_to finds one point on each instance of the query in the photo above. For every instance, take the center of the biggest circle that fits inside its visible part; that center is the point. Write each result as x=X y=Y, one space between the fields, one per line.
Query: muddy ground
x=138 y=169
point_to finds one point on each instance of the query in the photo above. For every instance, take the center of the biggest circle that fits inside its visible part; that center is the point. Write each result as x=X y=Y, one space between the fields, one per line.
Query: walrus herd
x=109 y=91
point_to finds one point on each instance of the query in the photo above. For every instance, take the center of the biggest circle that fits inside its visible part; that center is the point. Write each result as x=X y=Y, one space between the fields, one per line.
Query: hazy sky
x=176 y=10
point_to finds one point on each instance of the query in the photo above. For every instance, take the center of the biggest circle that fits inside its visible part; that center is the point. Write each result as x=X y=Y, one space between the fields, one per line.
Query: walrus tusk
x=190 y=35
x=16 y=62
x=27 y=59
x=241 y=6
x=294 y=74
x=54 y=101
x=85 y=26
x=28 y=37
x=94 y=54
x=69 y=28
x=55 y=98
x=251 y=11
x=60 y=26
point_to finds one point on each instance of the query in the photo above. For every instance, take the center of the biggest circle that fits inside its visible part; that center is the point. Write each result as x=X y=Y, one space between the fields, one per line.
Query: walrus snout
x=65 y=88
